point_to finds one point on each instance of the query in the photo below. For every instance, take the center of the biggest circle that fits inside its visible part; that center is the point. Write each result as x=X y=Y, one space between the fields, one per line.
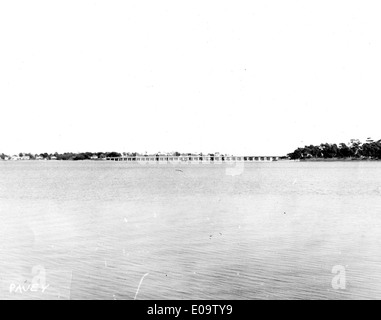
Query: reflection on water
x=92 y=230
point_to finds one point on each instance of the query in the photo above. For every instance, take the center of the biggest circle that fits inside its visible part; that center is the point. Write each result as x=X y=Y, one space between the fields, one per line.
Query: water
x=92 y=230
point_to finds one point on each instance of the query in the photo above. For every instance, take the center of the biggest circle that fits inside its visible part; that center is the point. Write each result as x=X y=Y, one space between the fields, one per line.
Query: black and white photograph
x=163 y=150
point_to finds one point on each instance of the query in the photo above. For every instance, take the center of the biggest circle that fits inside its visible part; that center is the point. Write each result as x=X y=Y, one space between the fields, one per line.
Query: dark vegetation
x=354 y=150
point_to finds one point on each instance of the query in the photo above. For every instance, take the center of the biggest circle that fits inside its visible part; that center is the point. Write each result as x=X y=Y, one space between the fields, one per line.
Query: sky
x=236 y=77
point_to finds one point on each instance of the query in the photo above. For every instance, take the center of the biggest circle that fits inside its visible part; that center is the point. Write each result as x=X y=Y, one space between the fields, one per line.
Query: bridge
x=199 y=159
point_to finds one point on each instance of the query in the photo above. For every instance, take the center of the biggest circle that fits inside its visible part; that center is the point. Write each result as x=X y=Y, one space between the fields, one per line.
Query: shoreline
x=200 y=161
x=336 y=160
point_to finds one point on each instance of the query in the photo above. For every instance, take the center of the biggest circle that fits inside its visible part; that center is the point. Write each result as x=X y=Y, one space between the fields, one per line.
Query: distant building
x=15 y=158
x=39 y=158
x=94 y=157
x=53 y=158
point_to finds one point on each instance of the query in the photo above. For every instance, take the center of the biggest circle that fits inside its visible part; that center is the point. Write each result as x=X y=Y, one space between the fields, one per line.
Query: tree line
x=355 y=149
x=66 y=155
x=75 y=156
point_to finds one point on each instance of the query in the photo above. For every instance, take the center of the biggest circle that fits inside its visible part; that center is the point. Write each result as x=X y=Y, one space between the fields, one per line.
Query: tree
x=31 y=156
x=113 y=154
x=355 y=147
x=343 y=151
x=297 y=154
